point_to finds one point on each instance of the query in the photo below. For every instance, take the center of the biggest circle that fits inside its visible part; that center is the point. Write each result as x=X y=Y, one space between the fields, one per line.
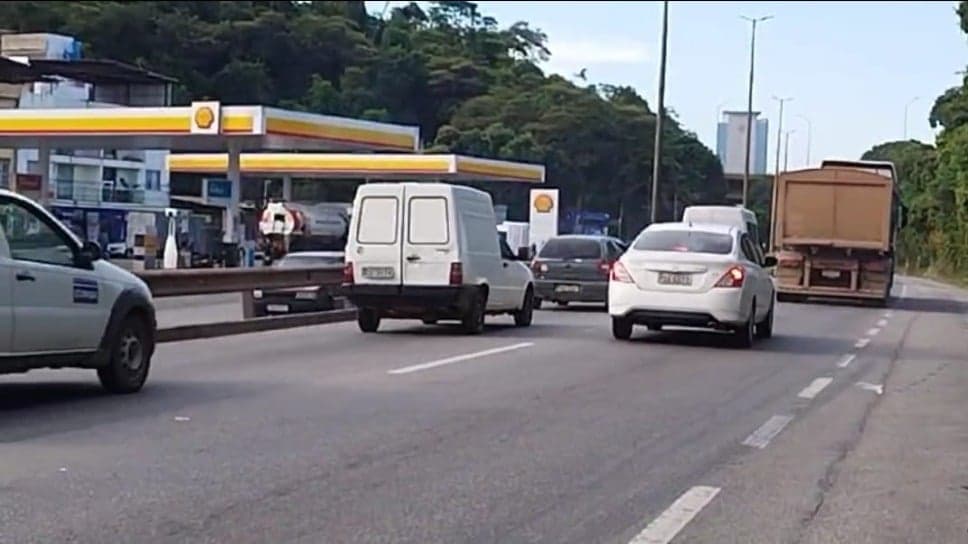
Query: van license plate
x=674 y=278
x=832 y=274
x=567 y=289
x=378 y=272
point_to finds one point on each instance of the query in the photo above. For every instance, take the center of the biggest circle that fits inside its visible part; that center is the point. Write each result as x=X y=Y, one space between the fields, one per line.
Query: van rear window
x=428 y=221
x=688 y=241
x=378 y=223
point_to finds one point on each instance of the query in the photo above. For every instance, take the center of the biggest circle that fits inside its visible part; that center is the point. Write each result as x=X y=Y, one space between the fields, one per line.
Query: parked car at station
x=316 y=298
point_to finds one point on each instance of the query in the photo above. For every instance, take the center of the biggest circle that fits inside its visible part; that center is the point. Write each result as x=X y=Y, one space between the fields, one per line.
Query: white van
x=431 y=251
x=735 y=216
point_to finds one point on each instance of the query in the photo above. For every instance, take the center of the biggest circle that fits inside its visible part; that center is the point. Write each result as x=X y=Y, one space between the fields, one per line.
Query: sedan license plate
x=674 y=278
x=378 y=272
x=277 y=308
x=567 y=289
x=832 y=274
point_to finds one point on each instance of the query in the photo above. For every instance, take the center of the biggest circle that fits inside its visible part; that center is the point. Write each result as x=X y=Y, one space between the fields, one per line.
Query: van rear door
x=375 y=242
x=429 y=245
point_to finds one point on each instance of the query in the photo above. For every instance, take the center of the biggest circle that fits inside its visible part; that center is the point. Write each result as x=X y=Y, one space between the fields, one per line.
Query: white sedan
x=705 y=276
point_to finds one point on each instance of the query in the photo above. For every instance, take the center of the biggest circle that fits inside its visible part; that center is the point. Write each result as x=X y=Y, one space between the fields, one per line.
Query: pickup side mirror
x=769 y=261
x=89 y=253
x=524 y=253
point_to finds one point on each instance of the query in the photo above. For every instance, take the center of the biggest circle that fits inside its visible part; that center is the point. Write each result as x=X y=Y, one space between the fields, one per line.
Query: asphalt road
x=552 y=434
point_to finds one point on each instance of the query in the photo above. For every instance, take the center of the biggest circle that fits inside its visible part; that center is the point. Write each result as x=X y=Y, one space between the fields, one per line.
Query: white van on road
x=735 y=216
x=431 y=251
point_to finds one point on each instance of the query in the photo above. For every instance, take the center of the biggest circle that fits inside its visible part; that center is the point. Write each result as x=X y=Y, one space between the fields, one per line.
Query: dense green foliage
x=471 y=85
x=934 y=184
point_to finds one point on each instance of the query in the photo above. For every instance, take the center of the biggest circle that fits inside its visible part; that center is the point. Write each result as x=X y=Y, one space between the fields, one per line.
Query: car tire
x=129 y=359
x=562 y=303
x=429 y=321
x=655 y=328
x=537 y=303
x=621 y=328
x=473 y=320
x=764 y=330
x=368 y=320
x=744 y=334
x=524 y=316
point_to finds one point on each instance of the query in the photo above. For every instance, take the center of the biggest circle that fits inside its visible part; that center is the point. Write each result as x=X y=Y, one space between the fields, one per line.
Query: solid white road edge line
x=459 y=358
x=882 y=323
x=761 y=437
x=815 y=388
x=675 y=518
x=862 y=343
x=846 y=360
x=873 y=332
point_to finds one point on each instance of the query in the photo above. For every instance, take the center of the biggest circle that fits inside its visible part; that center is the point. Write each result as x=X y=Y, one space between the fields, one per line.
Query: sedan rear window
x=688 y=241
x=571 y=248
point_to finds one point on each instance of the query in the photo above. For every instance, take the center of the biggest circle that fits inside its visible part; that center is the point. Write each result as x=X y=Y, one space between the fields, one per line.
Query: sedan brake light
x=733 y=277
x=620 y=274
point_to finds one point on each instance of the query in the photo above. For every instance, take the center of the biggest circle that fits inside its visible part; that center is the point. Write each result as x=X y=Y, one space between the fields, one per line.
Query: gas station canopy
x=356 y=166
x=203 y=126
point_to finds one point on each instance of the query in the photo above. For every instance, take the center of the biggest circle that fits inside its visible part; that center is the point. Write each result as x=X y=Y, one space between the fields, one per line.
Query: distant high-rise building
x=731 y=143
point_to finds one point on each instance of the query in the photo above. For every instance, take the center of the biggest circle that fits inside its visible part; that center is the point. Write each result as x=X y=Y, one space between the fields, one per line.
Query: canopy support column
x=232 y=218
x=43 y=163
x=287 y=188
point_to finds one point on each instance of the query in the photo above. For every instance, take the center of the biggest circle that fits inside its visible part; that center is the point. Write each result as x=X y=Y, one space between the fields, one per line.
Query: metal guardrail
x=208 y=281
x=211 y=281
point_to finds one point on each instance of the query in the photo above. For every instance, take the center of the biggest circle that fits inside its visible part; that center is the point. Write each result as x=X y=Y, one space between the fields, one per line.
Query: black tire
x=562 y=303
x=368 y=320
x=130 y=358
x=537 y=303
x=473 y=320
x=655 y=328
x=764 y=330
x=621 y=328
x=524 y=316
x=743 y=335
x=429 y=321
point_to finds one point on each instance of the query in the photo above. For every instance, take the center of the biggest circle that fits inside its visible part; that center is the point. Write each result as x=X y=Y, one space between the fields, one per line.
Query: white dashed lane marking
x=815 y=388
x=675 y=518
x=846 y=360
x=873 y=332
x=459 y=358
x=862 y=343
x=761 y=437
x=882 y=323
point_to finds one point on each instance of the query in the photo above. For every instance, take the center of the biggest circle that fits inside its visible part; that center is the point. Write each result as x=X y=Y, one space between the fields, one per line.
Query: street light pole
x=906 y=106
x=779 y=133
x=809 y=135
x=749 y=106
x=786 y=150
x=660 y=113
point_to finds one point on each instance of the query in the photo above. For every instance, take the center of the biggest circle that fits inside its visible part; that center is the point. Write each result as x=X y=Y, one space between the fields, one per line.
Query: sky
x=850 y=67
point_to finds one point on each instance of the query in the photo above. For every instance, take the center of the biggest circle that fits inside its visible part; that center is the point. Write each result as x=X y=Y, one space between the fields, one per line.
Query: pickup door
x=6 y=298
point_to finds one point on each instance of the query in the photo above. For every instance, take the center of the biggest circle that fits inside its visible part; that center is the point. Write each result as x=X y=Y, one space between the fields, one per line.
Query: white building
x=731 y=143
x=95 y=191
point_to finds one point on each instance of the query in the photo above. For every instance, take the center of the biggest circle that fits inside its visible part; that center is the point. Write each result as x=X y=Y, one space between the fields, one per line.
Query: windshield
x=688 y=241
x=571 y=248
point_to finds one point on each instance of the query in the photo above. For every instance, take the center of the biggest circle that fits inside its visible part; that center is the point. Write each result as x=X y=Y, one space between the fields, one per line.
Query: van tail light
x=605 y=268
x=348 y=273
x=456 y=274
x=620 y=274
x=733 y=277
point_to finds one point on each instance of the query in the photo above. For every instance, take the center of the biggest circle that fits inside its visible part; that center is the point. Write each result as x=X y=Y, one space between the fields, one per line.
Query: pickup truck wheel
x=130 y=358
x=744 y=334
x=621 y=328
x=524 y=316
x=368 y=320
x=473 y=320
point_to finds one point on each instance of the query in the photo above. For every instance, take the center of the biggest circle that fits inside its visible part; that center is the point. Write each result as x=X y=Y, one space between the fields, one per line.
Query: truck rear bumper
x=412 y=302
x=830 y=292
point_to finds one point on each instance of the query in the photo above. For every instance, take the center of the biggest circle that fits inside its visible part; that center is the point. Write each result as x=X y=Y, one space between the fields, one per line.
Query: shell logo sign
x=543 y=203
x=205 y=117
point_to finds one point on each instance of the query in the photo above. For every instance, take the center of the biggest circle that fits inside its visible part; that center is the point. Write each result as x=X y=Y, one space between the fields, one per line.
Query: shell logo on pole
x=544 y=203
x=206 y=117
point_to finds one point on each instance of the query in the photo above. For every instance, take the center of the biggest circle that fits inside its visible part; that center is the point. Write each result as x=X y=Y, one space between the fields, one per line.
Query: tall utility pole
x=809 y=135
x=779 y=133
x=786 y=150
x=749 y=106
x=906 y=106
x=660 y=113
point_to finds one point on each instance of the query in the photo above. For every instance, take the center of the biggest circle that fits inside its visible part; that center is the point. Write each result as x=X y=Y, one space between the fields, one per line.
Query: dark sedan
x=299 y=299
x=575 y=268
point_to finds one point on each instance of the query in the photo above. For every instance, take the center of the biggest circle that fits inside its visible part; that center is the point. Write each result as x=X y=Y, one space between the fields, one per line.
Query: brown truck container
x=834 y=231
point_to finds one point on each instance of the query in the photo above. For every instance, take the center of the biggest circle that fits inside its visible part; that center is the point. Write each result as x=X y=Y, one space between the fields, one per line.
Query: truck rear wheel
x=473 y=320
x=130 y=358
x=368 y=320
